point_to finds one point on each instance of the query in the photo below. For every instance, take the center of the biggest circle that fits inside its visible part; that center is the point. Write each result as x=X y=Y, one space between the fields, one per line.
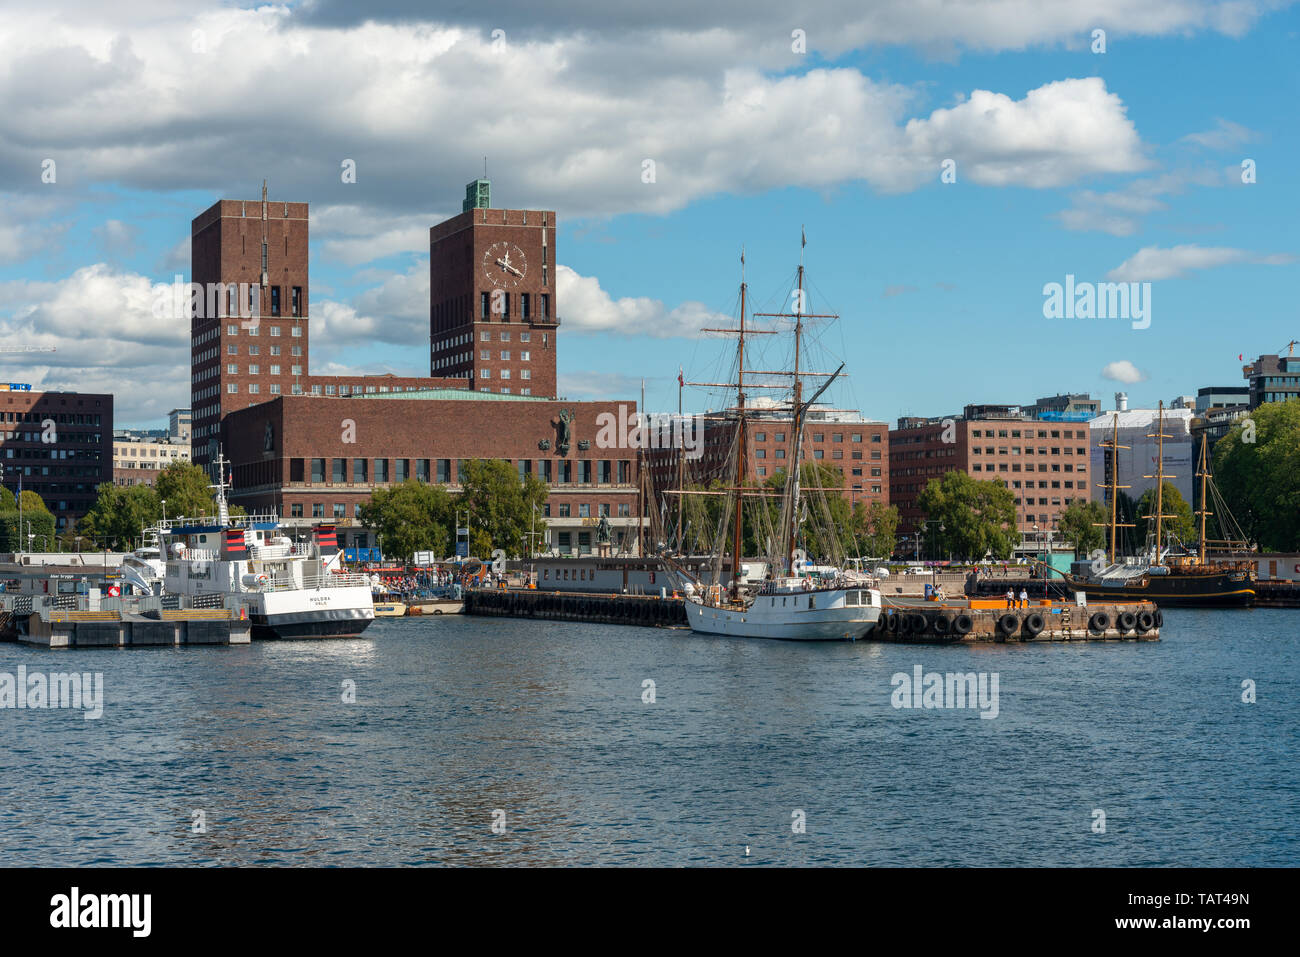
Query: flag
x=681 y=378
x=1240 y=356
x=803 y=238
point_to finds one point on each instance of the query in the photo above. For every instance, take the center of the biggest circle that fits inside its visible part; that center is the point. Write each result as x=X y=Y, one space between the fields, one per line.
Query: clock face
x=504 y=265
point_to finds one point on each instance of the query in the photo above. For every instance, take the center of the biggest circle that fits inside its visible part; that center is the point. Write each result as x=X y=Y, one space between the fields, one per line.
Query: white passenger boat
x=288 y=589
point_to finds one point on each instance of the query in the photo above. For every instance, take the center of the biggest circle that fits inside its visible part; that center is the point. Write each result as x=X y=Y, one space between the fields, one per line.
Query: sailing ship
x=290 y=589
x=795 y=601
x=1168 y=575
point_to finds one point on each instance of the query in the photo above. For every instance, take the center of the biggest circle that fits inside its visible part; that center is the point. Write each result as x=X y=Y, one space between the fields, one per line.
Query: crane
x=27 y=349
x=1290 y=347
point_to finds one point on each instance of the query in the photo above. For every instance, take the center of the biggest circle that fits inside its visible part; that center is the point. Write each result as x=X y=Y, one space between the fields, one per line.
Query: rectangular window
x=484 y=305
x=275 y=350
x=253 y=350
x=505 y=373
x=546 y=306
x=275 y=300
x=381 y=471
x=422 y=470
x=295 y=370
x=401 y=470
x=359 y=470
x=232 y=350
x=295 y=510
x=485 y=336
x=275 y=369
x=505 y=355
x=318 y=470
x=340 y=471
x=232 y=388
x=339 y=511
x=297 y=301
x=485 y=373
x=254 y=388
x=318 y=510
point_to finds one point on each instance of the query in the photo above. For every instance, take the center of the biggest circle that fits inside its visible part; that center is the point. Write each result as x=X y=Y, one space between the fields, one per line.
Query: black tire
x=1160 y=618
x=1127 y=621
x=962 y=624
x=1008 y=624
x=1145 y=622
x=916 y=624
x=1099 y=623
x=437 y=611
x=1034 y=624
x=942 y=624
x=892 y=623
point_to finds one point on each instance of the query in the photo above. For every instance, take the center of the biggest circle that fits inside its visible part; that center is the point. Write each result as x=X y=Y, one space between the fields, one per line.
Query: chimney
x=1121 y=401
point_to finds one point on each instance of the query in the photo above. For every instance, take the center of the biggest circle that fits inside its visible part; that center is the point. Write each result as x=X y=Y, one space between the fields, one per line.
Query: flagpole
x=681 y=454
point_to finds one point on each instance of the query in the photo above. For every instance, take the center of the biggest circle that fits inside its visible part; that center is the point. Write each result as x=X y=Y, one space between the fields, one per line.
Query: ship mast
x=736 y=537
x=1203 y=473
x=796 y=418
x=1113 y=485
x=1160 y=477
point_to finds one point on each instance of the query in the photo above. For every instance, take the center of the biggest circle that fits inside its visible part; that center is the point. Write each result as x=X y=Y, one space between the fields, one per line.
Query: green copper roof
x=458 y=395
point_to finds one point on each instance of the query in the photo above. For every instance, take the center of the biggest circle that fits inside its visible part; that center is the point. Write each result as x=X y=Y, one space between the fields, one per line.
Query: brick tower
x=492 y=304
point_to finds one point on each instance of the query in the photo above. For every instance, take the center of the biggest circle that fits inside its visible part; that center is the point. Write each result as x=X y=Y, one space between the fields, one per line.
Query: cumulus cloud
x=108 y=339
x=1119 y=212
x=1155 y=262
x=586 y=307
x=1122 y=371
x=569 y=118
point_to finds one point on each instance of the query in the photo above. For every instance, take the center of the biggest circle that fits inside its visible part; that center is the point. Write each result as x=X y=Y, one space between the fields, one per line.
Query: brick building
x=61 y=443
x=319 y=457
x=313 y=448
x=492 y=309
x=250 y=322
x=857 y=446
x=1043 y=459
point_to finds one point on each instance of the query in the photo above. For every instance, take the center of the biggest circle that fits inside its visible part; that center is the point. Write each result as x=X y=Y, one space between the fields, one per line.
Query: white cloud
x=586 y=307
x=1226 y=135
x=567 y=119
x=1154 y=262
x=1122 y=371
x=107 y=338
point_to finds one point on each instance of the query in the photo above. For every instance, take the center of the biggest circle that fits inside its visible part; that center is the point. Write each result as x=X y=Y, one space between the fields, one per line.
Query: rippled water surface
x=458 y=718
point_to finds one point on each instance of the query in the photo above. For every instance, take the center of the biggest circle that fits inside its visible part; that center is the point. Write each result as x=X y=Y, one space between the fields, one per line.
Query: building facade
x=1042 y=459
x=139 y=455
x=61 y=446
x=250 y=317
x=493 y=316
x=318 y=458
x=1272 y=379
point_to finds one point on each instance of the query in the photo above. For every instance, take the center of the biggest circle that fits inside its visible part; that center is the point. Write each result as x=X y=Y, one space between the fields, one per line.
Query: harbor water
x=506 y=742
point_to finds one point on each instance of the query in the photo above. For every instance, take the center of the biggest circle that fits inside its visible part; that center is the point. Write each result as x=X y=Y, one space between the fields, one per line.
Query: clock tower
x=492 y=304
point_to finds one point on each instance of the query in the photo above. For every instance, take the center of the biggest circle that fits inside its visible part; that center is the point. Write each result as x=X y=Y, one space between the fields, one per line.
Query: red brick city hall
x=319 y=457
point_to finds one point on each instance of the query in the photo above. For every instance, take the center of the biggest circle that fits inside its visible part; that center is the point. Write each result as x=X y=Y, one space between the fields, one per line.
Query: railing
x=295 y=550
x=318 y=581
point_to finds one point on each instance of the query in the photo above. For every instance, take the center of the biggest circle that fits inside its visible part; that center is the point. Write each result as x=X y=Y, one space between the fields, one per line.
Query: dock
x=920 y=621
x=47 y=622
x=908 y=620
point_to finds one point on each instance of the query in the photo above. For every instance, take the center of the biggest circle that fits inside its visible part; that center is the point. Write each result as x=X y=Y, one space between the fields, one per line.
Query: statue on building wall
x=564 y=431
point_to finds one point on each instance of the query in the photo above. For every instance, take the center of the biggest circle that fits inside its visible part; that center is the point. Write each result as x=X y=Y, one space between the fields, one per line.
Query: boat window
x=812 y=601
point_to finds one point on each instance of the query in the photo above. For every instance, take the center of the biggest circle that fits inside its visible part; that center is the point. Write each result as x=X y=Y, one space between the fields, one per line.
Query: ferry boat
x=795 y=602
x=290 y=589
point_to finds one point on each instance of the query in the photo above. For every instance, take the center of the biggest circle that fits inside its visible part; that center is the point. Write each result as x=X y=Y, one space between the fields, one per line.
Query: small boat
x=388 y=606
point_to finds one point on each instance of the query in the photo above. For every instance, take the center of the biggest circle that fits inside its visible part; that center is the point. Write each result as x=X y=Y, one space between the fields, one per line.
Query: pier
x=902 y=620
x=69 y=622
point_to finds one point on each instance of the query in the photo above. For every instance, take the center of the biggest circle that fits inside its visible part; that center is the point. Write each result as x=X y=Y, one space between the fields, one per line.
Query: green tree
x=978 y=517
x=500 y=506
x=184 y=487
x=1080 y=523
x=412 y=517
x=875 y=527
x=120 y=514
x=1257 y=469
x=37 y=529
x=1179 y=518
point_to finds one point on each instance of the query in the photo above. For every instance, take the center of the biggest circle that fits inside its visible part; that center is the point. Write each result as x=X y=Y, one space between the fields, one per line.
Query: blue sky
x=1125 y=165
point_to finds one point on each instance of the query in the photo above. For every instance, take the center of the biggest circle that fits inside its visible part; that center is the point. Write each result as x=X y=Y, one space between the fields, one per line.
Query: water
x=456 y=718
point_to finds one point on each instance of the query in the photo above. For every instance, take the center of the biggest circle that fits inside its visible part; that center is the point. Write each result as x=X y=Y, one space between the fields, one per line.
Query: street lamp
x=164 y=508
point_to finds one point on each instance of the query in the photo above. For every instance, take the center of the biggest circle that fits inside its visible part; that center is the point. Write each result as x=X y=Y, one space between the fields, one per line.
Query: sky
x=947 y=162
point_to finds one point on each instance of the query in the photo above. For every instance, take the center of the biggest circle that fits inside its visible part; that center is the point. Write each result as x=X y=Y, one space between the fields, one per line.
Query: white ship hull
x=311 y=613
x=823 y=615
